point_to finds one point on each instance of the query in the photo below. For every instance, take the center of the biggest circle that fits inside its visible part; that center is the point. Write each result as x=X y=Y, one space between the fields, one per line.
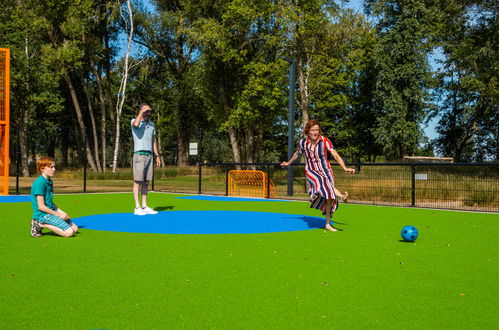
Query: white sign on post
x=193 y=149
x=421 y=176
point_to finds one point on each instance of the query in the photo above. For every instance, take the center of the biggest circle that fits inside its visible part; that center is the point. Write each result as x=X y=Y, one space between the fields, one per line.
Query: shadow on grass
x=313 y=222
x=49 y=233
x=163 y=208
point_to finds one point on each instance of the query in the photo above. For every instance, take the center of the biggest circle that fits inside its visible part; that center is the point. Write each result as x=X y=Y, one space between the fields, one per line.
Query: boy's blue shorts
x=54 y=220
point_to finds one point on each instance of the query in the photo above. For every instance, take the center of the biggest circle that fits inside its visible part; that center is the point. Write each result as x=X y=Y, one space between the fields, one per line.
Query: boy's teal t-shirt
x=42 y=186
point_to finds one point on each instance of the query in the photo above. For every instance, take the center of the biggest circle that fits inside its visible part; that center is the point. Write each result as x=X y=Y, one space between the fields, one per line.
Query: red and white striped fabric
x=319 y=173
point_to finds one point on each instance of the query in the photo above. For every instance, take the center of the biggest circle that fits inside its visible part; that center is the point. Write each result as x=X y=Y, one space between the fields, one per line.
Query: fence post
x=226 y=181
x=199 y=178
x=18 y=158
x=268 y=182
x=200 y=159
x=413 y=188
x=84 y=165
x=153 y=164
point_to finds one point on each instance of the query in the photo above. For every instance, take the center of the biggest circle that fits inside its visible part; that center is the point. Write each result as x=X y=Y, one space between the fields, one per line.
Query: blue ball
x=409 y=233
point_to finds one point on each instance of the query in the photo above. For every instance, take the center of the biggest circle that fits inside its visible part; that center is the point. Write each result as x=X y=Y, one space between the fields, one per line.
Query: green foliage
x=468 y=129
x=403 y=78
x=217 y=67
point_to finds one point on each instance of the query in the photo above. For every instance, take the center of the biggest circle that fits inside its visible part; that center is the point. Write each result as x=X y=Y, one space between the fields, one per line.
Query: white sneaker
x=148 y=210
x=139 y=211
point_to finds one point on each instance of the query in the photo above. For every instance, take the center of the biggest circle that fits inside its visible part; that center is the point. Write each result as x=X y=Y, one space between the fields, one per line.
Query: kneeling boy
x=46 y=214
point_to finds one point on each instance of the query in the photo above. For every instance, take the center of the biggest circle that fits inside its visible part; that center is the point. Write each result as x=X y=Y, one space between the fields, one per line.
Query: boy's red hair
x=44 y=162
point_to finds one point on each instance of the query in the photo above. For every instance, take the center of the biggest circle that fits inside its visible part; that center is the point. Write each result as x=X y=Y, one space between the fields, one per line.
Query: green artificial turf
x=360 y=278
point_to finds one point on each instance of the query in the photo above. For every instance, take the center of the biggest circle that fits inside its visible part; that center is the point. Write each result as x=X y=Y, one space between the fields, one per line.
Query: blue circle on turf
x=15 y=199
x=200 y=222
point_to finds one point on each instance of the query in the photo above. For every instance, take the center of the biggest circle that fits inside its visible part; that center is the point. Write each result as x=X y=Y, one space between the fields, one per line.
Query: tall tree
x=35 y=89
x=337 y=84
x=469 y=116
x=243 y=72
x=403 y=78
x=307 y=24
x=127 y=62
x=164 y=33
x=70 y=27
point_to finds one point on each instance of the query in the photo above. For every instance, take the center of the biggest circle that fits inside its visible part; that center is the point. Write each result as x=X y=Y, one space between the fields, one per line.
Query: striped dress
x=319 y=173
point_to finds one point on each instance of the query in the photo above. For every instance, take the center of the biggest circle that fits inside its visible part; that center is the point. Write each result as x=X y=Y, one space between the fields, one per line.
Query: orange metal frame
x=4 y=119
x=250 y=183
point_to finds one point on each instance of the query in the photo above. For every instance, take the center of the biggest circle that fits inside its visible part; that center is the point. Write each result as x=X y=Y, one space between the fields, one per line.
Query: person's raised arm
x=136 y=123
x=295 y=156
x=340 y=161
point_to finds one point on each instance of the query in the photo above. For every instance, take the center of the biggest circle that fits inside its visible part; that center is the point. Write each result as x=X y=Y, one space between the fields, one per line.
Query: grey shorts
x=142 y=167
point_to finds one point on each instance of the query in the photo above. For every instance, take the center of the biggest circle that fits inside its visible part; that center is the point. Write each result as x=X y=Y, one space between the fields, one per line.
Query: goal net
x=250 y=183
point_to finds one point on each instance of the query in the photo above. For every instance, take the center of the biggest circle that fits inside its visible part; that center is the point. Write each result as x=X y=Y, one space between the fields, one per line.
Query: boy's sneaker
x=139 y=211
x=36 y=230
x=148 y=210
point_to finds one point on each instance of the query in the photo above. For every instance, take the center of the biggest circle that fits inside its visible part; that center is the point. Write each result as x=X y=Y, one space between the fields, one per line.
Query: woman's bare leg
x=343 y=197
x=328 y=226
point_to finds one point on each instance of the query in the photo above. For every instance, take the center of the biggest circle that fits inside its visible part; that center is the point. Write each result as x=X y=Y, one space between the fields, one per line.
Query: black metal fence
x=473 y=187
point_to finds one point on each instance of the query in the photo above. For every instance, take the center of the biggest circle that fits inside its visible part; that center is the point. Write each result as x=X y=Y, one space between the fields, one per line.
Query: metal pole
x=226 y=181
x=291 y=122
x=200 y=149
x=84 y=165
x=267 y=170
x=413 y=186
x=18 y=156
x=153 y=171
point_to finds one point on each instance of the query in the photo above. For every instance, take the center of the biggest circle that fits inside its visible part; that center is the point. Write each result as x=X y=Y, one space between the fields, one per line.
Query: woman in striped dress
x=323 y=194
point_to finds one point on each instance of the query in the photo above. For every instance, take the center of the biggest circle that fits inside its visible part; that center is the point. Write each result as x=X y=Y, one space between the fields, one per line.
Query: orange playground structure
x=4 y=119
x=250 y=183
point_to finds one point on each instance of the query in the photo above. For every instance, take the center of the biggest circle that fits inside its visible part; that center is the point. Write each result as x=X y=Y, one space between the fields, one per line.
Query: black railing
x=458 y=186
x=473 y=187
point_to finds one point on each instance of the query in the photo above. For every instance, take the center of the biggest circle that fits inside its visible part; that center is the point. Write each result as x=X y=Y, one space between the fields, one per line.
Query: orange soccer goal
x=4 y=119
x=250 y=183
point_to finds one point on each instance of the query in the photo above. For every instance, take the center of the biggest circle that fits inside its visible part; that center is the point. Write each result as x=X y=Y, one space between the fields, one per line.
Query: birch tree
x=122 y=90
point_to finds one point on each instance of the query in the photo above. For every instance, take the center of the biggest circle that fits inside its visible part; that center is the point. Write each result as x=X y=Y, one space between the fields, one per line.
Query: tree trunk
x=79 y=117
x=102 y=106
x=250 y=148
x=183 y=150
x=122 y=91
x=109 y=91
x=109 y=104
x=80 y=156
x=23 y=131
x=183 y=133
x=258 y=143
x=94 y=128
x=230 y=129
x=64 y=155
x=302 y=83
x=235 y=146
